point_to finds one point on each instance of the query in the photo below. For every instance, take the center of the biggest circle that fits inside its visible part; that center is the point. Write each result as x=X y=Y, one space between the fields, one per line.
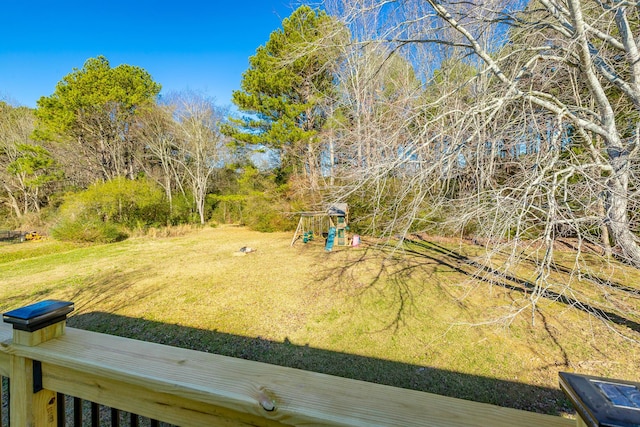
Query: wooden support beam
x=5 y=339
x=30 y=404
x=29 y=408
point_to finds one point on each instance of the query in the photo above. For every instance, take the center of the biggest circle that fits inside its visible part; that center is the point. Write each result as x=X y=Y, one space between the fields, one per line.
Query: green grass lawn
x=414 y=319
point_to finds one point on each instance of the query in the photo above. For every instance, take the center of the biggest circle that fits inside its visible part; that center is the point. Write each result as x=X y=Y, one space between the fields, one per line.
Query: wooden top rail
x=191 y=388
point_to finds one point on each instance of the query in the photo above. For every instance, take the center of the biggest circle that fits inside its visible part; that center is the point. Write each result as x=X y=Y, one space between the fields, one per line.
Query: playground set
x=331 y=224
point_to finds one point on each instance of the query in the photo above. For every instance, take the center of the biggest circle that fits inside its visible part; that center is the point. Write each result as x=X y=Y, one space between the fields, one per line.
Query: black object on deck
x=603 y=402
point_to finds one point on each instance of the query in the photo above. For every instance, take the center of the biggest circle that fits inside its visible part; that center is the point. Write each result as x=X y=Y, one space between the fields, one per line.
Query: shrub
x=182 y=211
x=265 y=215
x=256 y=202
x=88 y=231
x=104 y=210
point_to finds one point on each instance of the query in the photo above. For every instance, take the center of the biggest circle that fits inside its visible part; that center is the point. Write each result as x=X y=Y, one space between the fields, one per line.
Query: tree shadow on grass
x=465 y=265
x=426 y=253
x=398 y=266
x=109 y=289
x=403 y=375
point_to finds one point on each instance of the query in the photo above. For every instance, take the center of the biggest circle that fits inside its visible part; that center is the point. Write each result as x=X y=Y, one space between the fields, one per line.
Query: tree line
x=106 y=154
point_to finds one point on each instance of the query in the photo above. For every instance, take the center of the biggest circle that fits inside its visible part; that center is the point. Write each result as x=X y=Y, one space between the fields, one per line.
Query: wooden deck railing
x=190 y=388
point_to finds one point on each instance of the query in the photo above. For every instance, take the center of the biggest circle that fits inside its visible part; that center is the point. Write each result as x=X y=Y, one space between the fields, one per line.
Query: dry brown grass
x=414 y=319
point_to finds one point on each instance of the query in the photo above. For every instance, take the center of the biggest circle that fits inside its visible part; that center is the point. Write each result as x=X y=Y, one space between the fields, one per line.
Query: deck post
x=30 y=404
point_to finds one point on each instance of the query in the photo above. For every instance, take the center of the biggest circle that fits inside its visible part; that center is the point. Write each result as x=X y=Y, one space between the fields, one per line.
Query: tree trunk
x=311 y=162
x=167 y=190
x=605 y=236
x=332 y=161
x=617 y=209
x=13 y=202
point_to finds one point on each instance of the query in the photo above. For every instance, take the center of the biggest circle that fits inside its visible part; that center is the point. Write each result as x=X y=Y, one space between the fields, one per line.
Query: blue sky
x=184 y=44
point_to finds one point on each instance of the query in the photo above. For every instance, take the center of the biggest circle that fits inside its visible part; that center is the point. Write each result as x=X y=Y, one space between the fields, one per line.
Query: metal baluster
x=62 y=413
x=8 y=402
x=135 y=421
x=115 y=417
x=95 y=415
x=77 y=412
x=1 y=398
x=155 y=423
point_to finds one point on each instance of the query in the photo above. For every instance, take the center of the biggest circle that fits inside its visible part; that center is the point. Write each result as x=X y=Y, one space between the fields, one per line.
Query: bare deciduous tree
x=160 y=158
x=26 y=169
x=526 y=132
x=199 y=143
x=580 y=40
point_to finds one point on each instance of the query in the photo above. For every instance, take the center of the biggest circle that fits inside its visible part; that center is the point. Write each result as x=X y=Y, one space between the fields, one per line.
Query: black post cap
x=36 y=316
x=603 y=402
